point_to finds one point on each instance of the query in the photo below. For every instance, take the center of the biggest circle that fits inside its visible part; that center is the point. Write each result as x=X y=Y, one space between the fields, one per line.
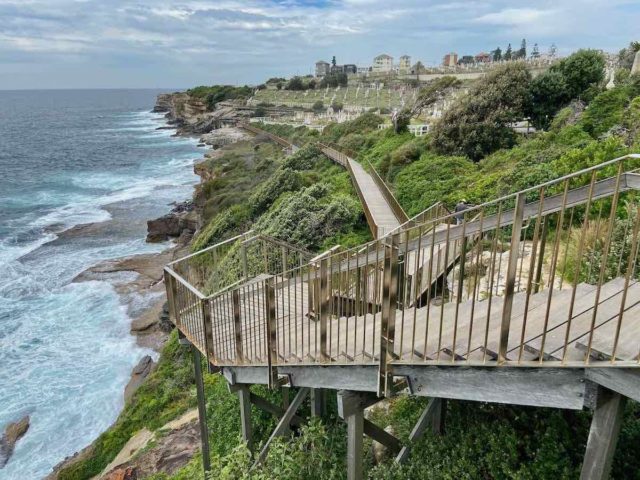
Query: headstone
x=636 y=64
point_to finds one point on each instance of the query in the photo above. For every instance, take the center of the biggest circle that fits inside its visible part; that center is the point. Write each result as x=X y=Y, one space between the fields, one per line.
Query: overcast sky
x=157 y=43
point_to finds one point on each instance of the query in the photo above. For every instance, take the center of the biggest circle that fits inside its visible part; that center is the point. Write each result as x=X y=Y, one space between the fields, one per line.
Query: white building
x=322 y=68
x=405 y=64
x=382 y=63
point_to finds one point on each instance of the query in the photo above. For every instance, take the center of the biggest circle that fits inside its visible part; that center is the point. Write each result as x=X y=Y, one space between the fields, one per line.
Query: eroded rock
x=14 y=432
x=138 y=375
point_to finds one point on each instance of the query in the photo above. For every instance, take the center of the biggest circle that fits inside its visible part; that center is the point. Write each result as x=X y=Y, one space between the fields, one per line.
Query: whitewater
x=71 y=158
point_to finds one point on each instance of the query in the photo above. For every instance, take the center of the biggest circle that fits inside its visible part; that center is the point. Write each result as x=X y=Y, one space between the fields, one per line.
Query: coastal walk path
x=531 y=309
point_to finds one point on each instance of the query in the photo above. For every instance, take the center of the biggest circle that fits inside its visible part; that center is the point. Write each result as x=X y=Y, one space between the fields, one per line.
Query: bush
x=337 y=106
x=318 y=106
x=478 y=123
x=575 y=77
x=283 y=180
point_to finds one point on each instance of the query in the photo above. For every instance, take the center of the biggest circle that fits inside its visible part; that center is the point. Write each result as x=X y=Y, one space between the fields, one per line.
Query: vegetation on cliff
x=307 y=200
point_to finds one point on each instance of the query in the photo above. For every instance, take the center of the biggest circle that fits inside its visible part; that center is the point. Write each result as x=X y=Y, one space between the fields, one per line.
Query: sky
x=160 y=44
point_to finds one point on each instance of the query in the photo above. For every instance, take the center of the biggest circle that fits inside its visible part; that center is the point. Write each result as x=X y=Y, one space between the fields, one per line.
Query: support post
x=207 y=326
x=318 y=402
x=237 y=326
x=512 y=270
x=355 y=431
x=351 y=407
x=603 y=435
x=270 y=330
x=244 y=395
x=202 y=410
x=388 y=317
x=243 y=254
x=323 y=311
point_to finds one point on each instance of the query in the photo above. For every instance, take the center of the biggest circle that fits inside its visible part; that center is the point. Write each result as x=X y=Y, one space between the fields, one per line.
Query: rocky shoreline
x=142 y=276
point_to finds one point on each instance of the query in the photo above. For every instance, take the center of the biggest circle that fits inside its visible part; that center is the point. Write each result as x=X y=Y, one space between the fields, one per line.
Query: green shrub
x=478 y=123
x=283 y=180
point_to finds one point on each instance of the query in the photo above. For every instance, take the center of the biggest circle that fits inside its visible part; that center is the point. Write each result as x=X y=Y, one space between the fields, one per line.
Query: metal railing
x=273 y=137
x=545 y=276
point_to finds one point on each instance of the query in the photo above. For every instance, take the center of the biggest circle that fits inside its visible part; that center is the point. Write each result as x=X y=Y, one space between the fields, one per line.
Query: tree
x=418 y=68
x=312 y=84
x=575 y=77
x=333 y=61
x=535 y=53
x=428 y=95
x=497 y=54
x=553 y=50
x=479 y=123
x=318 y=106
x=508 y=55
x=296 y=84
x=522 y=53
x=627 y=55
x=337 y=106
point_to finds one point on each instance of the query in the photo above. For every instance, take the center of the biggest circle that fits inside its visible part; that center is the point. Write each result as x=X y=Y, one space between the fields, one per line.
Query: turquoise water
x=69 y=158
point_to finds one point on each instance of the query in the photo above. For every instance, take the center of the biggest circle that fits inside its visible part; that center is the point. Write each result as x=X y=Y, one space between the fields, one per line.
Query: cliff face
x=191 y=115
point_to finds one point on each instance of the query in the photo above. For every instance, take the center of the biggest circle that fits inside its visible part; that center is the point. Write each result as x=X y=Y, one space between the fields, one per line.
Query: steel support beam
x=283 y=424
x=603 y=435
x=432 y=417
x=202 y=409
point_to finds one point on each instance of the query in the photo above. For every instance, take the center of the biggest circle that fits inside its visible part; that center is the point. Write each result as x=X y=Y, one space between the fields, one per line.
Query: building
x=322 y=68
x=405 y=64
x=466 y=60
x=450 y=60
x=364 y=70
x=483 y=57
x=382 y=63
x=349 y=69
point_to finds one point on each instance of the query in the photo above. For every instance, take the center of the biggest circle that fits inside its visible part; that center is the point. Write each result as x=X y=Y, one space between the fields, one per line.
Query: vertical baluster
x=494 y=252
x=532 y=263
x=516 y=232
x=603 y=267
x=578 y=266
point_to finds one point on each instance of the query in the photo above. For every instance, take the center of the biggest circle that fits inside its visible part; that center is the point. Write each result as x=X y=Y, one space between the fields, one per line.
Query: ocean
x=69 y=158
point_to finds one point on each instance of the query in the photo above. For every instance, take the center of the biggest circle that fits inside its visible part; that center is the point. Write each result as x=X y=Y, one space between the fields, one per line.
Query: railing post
x=388 y=316
x=207 y=329
x=324 y=312
x=285 y=260
x=243 y=254
x=172 y=296
x=270 y=330
x=237 y=326
x=512 y=270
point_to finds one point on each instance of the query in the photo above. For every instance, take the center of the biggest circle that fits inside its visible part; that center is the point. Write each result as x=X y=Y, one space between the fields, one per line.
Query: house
x=364 y=70
x=322 y=68
x=382 y=63
x=450 y=60
x=483 y=57
x=405 y=64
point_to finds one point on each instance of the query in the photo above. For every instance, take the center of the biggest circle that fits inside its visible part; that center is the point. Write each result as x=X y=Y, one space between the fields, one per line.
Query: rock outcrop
x=181 y=222
x=140 y=372
x=14 y=432
x=191 y=115
x=147 y=453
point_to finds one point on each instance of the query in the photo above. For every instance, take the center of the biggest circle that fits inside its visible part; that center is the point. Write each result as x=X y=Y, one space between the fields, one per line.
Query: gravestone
x=636 y=64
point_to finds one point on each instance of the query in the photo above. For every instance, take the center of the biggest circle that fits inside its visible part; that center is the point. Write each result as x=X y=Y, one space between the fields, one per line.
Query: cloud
x=186 y=42
x=514 y=16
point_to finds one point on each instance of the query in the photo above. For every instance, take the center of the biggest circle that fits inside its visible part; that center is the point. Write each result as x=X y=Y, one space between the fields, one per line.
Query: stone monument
x=636 y=64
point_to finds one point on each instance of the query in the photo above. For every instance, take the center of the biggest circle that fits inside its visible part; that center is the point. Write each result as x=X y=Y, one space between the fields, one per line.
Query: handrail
x=388 y=195
x=520 y=284
x=282 y=141
x=437 y=210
